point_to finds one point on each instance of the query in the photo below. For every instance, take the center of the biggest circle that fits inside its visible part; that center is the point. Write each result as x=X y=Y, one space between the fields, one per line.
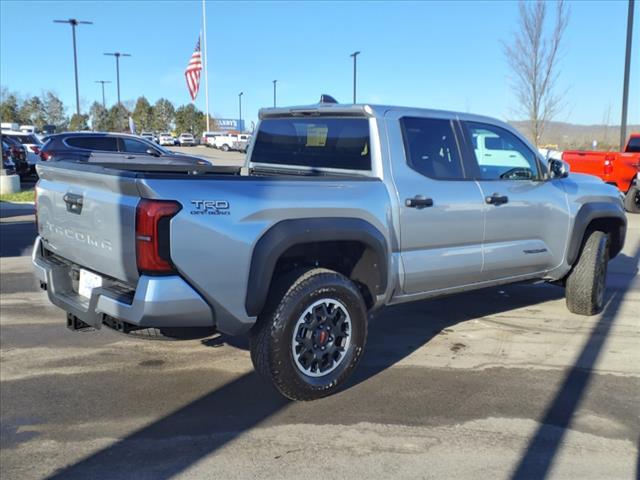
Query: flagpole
x=206 y=69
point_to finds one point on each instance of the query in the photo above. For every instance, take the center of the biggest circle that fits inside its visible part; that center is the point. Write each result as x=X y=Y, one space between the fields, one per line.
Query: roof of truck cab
x=367 y=110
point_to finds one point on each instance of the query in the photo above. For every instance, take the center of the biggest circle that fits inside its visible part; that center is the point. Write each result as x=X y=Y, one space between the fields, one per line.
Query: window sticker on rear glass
x=317 y=135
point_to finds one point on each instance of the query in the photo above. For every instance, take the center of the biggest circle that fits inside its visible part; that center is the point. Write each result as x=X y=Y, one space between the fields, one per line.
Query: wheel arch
x=606 y=217
x=351 y=246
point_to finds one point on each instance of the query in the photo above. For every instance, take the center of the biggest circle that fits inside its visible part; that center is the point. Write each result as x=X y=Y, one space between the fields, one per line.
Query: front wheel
x=225 y=148
x=585 y=284
x=309 y=342
x=632 y=200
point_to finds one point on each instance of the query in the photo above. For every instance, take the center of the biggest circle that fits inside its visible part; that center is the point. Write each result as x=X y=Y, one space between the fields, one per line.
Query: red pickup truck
x=621 y=169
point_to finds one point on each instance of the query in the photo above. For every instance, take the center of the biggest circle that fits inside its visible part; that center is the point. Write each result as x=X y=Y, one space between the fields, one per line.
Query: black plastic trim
x=588 y=213
x=287 y=233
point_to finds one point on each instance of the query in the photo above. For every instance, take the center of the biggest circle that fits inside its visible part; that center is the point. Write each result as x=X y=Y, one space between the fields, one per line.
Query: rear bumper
x=159 y=302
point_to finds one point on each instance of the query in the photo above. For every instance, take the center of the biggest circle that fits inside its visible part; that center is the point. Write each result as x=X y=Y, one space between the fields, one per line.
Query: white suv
x=186 y=139
x=165 y=139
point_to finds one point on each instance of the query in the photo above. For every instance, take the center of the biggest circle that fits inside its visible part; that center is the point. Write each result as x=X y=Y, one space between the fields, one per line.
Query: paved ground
x=501 y=383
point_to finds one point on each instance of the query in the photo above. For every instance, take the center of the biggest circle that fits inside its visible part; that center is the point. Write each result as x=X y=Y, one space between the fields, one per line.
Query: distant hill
x=569 y=136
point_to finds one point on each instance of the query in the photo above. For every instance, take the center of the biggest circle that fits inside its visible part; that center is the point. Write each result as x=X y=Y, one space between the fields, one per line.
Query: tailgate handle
x=74 y=202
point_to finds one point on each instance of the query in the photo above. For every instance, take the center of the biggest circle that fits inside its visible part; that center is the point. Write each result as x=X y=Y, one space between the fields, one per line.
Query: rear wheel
x=311 y=340
x=585 y=284
x=632 y=200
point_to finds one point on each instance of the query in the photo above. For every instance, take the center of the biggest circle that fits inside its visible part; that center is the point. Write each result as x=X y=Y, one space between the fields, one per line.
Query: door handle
x=419 y=201
x=74 y=202
x=130 y=157
x=496 y=199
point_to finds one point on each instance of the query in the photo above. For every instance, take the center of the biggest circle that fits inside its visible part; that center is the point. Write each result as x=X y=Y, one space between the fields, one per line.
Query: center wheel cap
x=322 y=337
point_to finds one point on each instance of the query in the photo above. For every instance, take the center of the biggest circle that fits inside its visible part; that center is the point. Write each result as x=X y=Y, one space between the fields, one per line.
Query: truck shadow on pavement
x=17 y=229
x=221 y=416
x=543 y=447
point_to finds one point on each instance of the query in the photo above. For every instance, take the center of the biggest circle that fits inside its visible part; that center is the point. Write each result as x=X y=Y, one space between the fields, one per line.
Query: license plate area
x=87 y=282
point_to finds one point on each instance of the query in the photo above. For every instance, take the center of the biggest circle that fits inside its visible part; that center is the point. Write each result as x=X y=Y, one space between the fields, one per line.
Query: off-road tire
x=585 y=283
x=271 y=338
x=631 y=200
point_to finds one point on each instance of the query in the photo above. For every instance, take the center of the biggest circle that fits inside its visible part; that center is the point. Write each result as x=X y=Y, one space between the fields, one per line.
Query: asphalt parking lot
x=499 y=383
x=218 y=157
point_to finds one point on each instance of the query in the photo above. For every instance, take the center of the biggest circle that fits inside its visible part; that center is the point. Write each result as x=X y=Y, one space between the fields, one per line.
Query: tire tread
x=581 y=291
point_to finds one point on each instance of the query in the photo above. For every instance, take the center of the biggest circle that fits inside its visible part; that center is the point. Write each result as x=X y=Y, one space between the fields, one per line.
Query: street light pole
x=240 y=110
x=104 y=105
x=118 y=55
x=74 y=22
x=354 y=55
x=274 y=93
x=625 y=87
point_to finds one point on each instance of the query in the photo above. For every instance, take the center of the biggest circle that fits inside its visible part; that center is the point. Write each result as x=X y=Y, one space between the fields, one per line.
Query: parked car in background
x=149 y=136
x=112 y=148
x=616 y=168
x=8 y=165
x=18 y=154
x=209 y=137
x=31 y=143
x=186 y=139
x=28 y=128
x=232 y=141
x=165 y=139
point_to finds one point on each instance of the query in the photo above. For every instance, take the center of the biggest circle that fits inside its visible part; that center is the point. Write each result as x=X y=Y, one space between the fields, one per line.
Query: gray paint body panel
x=460 y=243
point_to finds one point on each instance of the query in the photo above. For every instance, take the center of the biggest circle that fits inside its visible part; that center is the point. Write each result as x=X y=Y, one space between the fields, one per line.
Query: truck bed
x=87 y=215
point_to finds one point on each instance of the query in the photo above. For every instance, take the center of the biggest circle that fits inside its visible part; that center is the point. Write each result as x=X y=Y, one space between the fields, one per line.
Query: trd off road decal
x=210 y=207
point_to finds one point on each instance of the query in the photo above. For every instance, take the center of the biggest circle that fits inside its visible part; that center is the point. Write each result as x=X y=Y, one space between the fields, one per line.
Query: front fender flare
x=588 y=213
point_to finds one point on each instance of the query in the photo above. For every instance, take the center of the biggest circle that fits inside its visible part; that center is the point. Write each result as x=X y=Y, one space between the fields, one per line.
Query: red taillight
x=44 y=156
x=608 y=165
x=152 y=235
x=35 y=149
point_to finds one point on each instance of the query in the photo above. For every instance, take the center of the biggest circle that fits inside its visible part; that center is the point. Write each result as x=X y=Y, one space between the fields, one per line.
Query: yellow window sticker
x=317 y=135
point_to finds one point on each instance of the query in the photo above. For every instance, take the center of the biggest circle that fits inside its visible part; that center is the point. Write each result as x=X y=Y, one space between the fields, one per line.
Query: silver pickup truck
x=338 y=211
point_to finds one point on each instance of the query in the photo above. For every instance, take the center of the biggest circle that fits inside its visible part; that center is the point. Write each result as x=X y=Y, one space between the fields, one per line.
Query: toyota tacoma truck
x=621 y=169
x=338 y=211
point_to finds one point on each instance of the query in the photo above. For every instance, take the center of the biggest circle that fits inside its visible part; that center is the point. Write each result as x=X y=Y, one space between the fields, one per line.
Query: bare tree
x=533 y=56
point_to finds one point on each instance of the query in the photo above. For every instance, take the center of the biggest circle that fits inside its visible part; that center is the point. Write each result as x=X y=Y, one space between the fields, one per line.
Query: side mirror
x=151 y=151
x=557 y=168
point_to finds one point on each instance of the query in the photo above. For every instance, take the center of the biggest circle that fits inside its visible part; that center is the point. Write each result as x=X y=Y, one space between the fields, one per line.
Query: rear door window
x=105 y=144
x=431 y=148
x=341 y=143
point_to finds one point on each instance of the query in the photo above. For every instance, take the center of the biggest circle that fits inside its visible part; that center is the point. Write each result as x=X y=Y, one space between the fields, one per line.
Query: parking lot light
x=118 y=55
x=74 y=22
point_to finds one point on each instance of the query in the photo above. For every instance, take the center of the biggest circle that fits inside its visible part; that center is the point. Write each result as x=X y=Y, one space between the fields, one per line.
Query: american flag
x=192 y=73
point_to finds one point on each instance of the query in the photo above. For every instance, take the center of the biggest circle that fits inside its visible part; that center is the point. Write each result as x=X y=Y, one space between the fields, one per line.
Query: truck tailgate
x=88 y=217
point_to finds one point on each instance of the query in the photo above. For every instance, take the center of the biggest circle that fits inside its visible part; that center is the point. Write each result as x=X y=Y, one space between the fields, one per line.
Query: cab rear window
x=634 y=145
x=341 y=143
